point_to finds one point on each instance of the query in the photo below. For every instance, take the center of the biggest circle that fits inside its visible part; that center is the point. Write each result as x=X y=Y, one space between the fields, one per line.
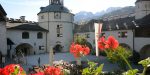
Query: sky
x=30 y=8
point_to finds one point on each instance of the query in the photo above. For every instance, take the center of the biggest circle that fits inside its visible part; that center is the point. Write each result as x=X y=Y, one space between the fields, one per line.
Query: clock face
x=57 y=15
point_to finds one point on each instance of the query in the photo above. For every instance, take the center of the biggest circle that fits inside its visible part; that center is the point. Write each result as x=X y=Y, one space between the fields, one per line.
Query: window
x=39 y=35
x=41 y=47
x=57 y=15
x=59 y=35
x=25 y=35
x=42 y=17
x=122 y=34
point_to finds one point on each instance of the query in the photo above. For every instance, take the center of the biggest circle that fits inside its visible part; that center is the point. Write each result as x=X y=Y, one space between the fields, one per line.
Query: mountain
x=125 y=10
x=84 y=16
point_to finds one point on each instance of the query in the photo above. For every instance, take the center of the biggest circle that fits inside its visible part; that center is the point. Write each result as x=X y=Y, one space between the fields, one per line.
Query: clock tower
x=58 y=20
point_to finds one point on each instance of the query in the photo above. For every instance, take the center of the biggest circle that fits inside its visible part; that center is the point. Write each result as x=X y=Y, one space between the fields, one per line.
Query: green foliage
x=82 y=41
x=131 y=72
x=118 y=55
x=92 y=69
x=145 y=62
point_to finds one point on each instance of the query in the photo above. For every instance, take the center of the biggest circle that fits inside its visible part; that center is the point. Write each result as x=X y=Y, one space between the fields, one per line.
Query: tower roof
x=2 y=14
x=141 y=0
x=54 y=8
x=2 y=10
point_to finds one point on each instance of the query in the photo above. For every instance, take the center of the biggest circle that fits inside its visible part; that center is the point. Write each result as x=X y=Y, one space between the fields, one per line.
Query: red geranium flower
x=1 y=70
x=79 y=50
x=52 y=71
x=9 y=69
x=85 y=50
x=112 y=43
x=102 y=44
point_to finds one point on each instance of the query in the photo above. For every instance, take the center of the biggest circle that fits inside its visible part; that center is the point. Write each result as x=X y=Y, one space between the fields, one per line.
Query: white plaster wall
x=128 y=40
x=141 y=42
x=67 y=35
x=67 y=17
x=3 y=40
x=51 y=24
x=142 y=9
x=16 y=37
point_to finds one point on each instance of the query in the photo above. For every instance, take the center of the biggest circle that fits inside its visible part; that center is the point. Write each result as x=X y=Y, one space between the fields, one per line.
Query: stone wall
x=3 y=40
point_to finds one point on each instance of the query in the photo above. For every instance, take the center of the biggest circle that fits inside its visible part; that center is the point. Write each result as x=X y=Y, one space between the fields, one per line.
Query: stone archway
x=145 y=51
x=24 y=49
x=58 y=48
x=125 y=46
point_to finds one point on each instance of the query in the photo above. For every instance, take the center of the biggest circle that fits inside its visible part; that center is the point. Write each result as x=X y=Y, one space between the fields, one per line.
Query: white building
x=28 y=39
x=132 y=31
x=3 y=40
x=58 y=20
x=54 y=28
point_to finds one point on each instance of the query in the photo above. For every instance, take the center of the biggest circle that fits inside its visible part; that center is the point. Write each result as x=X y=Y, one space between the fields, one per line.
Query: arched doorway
x=145 y=52
x=58 y=48
x=24 y=49
x=125 y=46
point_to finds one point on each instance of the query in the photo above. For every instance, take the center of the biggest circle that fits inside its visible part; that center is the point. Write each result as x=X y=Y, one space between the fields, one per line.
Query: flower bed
x=114 y=53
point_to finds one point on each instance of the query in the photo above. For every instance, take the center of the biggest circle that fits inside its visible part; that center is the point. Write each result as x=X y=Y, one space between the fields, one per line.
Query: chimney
x=22 y=18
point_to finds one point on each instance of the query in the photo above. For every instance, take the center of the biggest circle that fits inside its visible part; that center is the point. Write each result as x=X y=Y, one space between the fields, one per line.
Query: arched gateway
x=145 y=51
x=58 y=48
x=25 y=49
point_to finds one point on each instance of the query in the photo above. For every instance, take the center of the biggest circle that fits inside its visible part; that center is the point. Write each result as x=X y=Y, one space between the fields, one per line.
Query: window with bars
x=59 y=31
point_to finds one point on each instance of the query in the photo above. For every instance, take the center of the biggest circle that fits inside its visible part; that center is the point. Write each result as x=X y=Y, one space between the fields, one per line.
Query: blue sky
x=30 y=8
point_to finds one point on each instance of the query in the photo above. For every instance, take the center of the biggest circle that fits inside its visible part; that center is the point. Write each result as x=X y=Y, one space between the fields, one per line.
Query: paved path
x=33 y=60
